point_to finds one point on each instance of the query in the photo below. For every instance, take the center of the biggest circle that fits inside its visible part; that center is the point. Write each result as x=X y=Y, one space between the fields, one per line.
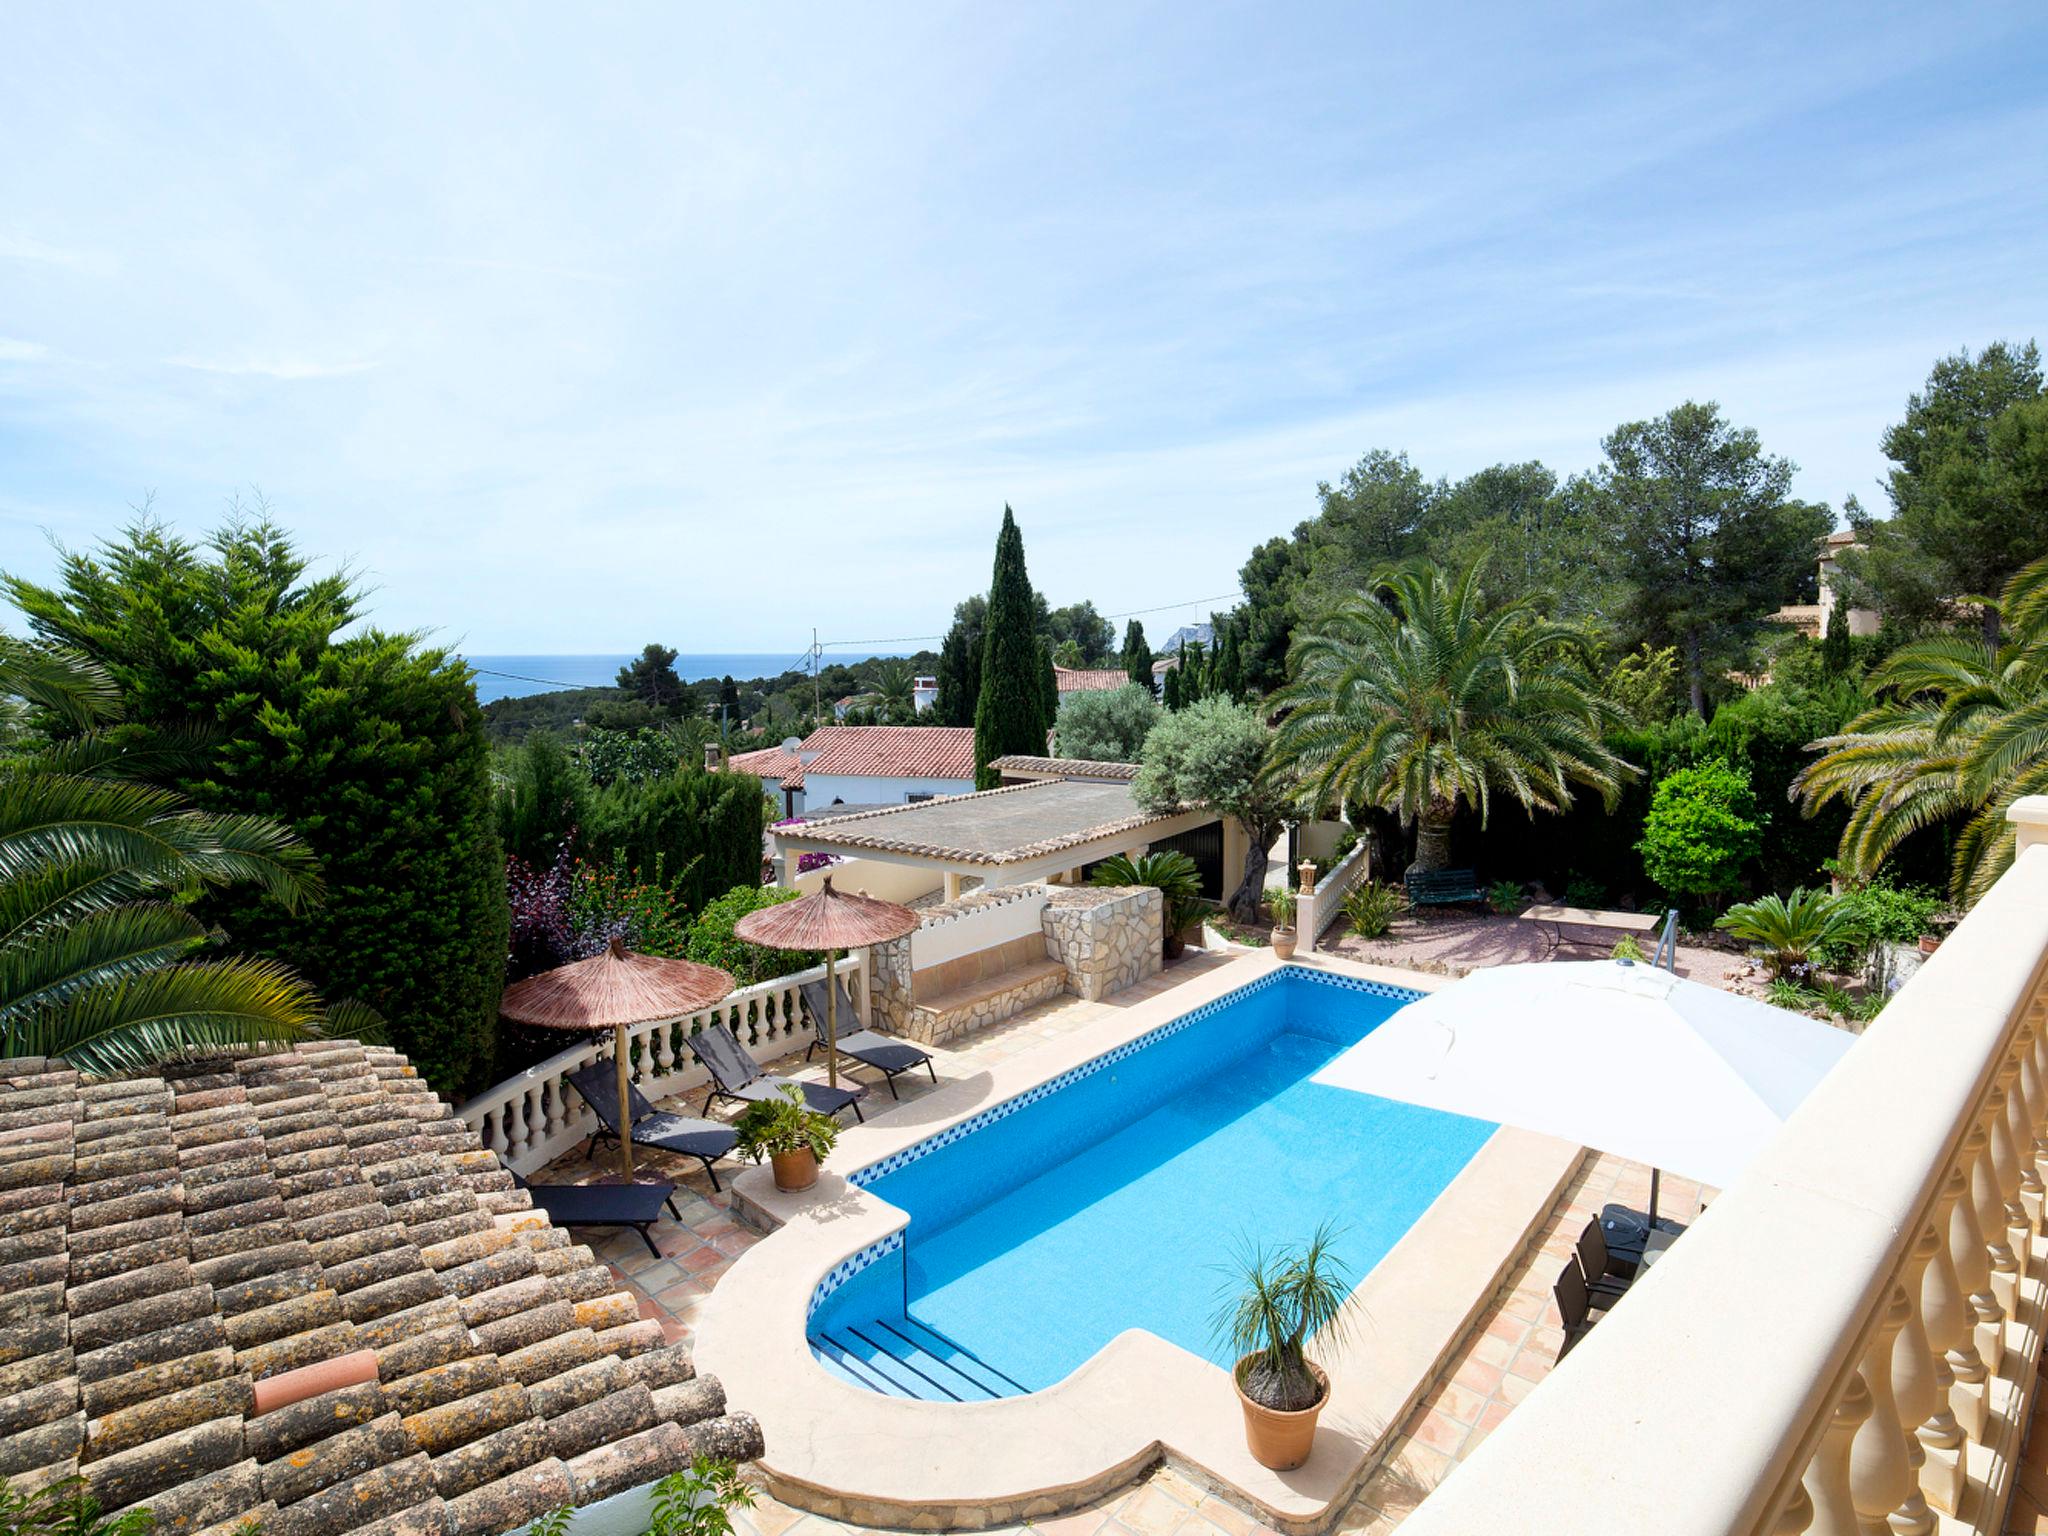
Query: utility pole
x=817 y=701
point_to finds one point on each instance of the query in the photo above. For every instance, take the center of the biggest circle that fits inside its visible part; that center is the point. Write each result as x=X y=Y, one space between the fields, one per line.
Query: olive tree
x=1213 y=754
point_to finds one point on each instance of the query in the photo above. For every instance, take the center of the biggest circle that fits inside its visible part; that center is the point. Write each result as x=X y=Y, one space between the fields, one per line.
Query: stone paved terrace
x=1508 y=1350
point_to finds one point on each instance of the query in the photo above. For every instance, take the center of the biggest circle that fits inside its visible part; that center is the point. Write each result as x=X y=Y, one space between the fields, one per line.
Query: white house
x=865 y=765
x=924 y=693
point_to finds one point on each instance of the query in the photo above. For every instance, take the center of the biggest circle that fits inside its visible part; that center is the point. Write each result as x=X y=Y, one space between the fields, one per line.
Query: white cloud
x=13 y=350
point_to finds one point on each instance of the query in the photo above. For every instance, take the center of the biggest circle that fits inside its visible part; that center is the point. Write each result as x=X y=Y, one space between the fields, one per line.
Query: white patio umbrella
x=1626 y=1058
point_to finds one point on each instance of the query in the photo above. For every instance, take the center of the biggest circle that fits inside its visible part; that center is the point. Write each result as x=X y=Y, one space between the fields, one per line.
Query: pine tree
x=1137 y=654
x=1010 y=714
x=960 y=668
x=1834 y=645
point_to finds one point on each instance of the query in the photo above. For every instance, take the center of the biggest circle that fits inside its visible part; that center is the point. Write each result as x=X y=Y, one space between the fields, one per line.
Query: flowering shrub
x=607 y=904
x=574 y=909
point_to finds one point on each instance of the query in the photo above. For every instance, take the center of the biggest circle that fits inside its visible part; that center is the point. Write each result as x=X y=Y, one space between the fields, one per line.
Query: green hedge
x=703 y=829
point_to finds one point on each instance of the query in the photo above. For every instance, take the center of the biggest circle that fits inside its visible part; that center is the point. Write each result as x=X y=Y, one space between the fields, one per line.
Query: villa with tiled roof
x=866 y=765
x=293 y=1288
x=1072 y=680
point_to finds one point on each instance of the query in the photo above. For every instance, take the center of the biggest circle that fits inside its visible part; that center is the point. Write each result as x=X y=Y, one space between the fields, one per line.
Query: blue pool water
x=1112 y=1197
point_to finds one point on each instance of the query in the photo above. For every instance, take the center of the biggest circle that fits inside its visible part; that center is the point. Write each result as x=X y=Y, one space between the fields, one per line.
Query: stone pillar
x=952 y=891
x=1827 y=1475
x=888 y=985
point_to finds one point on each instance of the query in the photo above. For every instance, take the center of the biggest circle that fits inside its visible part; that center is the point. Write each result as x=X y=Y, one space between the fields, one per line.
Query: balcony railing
x=1848 y=1340
x=1316 y=909
x=532 y=1119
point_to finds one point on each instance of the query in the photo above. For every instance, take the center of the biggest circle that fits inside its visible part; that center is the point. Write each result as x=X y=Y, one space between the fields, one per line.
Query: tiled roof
x=1011 y=825
x=1073 y=767
x=770 y=763
x=892 y=751
x=179 y=1252
x=1090 y=680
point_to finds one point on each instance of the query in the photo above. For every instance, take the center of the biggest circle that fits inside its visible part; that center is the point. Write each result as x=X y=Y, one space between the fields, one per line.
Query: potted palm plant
x=1280 y=902
x=1276 y=1300
x=793 y=1137
x=1178 y=880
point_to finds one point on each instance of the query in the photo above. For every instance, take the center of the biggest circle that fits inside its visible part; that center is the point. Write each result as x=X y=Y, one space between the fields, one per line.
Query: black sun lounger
x=865 y=1046
x=736 y=1075
x=603 y=1205
x=685 y=1135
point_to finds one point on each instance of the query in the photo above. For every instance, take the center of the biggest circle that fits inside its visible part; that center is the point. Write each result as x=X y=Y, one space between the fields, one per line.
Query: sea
x=512 y=677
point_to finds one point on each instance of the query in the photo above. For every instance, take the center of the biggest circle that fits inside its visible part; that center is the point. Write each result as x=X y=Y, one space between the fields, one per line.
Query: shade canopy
x=614 y=989
x=1625 y=1058
x=828 y=919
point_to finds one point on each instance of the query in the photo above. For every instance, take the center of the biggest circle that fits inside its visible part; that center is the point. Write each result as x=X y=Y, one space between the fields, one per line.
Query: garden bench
x=1593 y=917
x=1442 y=888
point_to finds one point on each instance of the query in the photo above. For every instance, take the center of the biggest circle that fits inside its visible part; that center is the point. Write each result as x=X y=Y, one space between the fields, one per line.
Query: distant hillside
x=509 y=720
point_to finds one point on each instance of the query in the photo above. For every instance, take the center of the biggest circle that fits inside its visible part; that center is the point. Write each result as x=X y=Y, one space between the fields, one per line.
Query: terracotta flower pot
x=1278 y=1439
x=795 y=1170
x=1929 y=943
x=1283 y=943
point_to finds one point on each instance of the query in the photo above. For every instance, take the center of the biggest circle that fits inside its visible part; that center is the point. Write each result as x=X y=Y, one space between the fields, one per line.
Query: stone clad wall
x=1105 y=938
x=1108 y=937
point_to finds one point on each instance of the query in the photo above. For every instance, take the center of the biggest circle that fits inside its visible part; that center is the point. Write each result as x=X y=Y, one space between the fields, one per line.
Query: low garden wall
x=991 y=954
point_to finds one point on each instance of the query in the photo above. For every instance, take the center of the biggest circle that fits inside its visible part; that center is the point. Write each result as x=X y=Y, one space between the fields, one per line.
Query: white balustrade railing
x=1316 y=909
x=532 y=1119
x=1848 y=1340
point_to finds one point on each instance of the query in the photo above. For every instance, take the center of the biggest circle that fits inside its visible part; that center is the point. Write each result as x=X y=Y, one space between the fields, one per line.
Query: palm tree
x=893 y=684
x=97 y=871
x=1960 y=730
x=1419 y=696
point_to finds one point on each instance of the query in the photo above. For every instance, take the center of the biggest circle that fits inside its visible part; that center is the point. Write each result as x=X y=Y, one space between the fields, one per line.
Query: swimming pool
x=1108 y=1197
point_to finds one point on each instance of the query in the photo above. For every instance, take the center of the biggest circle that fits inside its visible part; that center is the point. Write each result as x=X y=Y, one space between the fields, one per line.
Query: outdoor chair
x=866 y=1046
x=1605 y=1284
x=1574 y=1305
x=736 y=1075
x=685 y=1135
x=603 y=1205
x=1602 y=1262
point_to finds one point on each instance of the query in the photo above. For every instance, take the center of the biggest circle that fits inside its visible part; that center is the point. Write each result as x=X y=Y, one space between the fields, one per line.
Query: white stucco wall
x=821 y=789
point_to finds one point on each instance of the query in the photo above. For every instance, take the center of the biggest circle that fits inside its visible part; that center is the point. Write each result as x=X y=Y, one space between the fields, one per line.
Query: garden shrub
x=633 y=757
x=1107 y=726
x=703 y=827
x=712 y=942
x=366 y=744
x=542 y=797
x=1702 y=828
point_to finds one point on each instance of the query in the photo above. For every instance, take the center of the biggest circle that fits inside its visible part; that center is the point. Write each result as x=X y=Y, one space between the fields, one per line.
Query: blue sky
x=574 y=327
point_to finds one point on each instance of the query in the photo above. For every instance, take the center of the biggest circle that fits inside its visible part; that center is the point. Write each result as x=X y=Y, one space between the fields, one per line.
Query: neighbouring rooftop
x=1022 y=767
x=996 y=826
x=293 y=1288
x=890 y=751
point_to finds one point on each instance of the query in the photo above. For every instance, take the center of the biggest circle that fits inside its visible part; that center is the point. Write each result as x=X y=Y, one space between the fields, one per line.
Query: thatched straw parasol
x=831 y=921
x=611 y=991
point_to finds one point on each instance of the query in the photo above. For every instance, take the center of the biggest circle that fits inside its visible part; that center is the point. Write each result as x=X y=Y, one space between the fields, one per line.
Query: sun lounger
x=685 y=1135
x=603 y=1205
x=865 y=1046
x=736 y=1075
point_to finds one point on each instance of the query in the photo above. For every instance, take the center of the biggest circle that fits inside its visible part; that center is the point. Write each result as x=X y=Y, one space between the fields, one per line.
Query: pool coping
x=857 y=1456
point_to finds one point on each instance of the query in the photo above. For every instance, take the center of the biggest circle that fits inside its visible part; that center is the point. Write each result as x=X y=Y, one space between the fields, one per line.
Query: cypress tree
x=1834 y=645
x=1229 y=669
x=1194 y=672
x=1137 y=654
x=1048 y=689
x=1010 y=714
x=959 y=675
x=1172 y=700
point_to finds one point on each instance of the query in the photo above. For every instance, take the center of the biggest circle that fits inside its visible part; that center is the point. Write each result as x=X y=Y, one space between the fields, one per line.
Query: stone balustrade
x=1848 y=1340
x=1319 y=905
x=533 y=1118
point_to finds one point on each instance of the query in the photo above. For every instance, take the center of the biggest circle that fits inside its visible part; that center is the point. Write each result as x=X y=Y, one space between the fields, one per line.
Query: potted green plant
x=1179 y=882
x=1275 y=1302
x=793 y=1137
x=1280 y=902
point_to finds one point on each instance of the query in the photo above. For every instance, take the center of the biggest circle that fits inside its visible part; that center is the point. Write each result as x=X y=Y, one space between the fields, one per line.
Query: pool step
x=900 y=1357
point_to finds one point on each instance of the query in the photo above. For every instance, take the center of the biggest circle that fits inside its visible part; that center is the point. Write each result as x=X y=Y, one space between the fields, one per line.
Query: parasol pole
x=625 y=1102
x=831 y=1020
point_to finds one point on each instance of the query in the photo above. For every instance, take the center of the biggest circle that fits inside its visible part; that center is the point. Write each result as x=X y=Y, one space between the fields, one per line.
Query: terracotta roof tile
x=169 y=1242
x=1090 y=679
x=1075 y=767
x=770 y=763
x=1011 y=825
x=892 y=751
